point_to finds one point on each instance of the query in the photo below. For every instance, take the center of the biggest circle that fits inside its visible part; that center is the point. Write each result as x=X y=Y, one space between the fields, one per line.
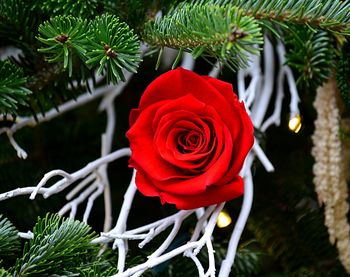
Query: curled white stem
x=90 y=167
x=47 y=177
x=19 y=150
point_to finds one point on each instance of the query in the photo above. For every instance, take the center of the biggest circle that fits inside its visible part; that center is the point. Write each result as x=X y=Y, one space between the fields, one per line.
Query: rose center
x=189 y=141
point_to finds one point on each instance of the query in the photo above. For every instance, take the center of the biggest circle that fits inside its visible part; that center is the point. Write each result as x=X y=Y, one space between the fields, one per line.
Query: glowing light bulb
x=294 y=123
x=223 y=220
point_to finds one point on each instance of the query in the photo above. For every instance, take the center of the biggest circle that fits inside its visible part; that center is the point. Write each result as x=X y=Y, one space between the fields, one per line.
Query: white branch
x=68 y=178
x=195 y=246
x=67 y=106
x=284 y=71
x=20 y=191
x=215 y=71
x=72 y=205
x=237 y=232
x=262 y=99
x=20 y=152
x=26 y=235
x=262 y=157
x=188 y=62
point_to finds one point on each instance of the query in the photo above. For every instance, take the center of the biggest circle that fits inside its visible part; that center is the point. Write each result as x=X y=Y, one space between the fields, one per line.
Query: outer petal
x=213 y=195
x=224 y=88
x=144 y=156
x=179 y=82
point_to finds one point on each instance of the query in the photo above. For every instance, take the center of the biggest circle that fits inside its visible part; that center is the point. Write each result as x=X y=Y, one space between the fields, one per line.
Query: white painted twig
x=197 y=245
x=188 y=62
x=21 y=191
x=262 y=99
x=92 y=198
x=22 y=154
x=237 y=232
x=26 y=235
x=47 y=177
x=68 y=178
x=67 y=106
x=80 y=186
x=262 y=157
x=72 y=205
x=284 y=73
x=202 y=221
x=215 y=71
x=121 y=223
x=198 y=264
x=211 y=269
x=254 y=72
x=106 y=143
x=65 y=182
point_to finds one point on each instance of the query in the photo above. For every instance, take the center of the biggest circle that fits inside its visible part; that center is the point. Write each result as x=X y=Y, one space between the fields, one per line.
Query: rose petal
x=144 y=156
x=224 y=88
x=144 y=185
x=212 y=195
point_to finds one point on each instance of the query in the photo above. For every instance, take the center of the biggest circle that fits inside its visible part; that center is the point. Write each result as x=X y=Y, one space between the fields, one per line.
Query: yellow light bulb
x=223 y=220
x=294 y=123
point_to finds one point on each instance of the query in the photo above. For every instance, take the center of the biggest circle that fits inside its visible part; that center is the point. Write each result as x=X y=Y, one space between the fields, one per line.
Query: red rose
x=189 y=138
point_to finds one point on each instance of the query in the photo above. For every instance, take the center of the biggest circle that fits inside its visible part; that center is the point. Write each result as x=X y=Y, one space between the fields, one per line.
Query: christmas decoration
x=75 y=72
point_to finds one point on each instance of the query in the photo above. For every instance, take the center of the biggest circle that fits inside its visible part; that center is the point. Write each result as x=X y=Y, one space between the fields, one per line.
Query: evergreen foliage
x=104 y=42
x=343 y=74
x=83 y=8
x=4 y=273
x=332 y=15
x=64 y=37
x=12 y=90
x=58 y=245
x=17 y=22
x=311 y=54
x=96 y=271
x=208 y=31
x=9 y=240
x=113 y=47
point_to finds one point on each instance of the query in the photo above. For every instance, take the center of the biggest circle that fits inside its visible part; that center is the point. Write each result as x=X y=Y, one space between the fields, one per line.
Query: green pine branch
x=209 y=30
x=64 y=38
x=113 y=47
x=83 y=8
x=343 y=74
x=17 y=22
x=311 y=54
x=12 y=90
x=4 y=273
x=9 y=240
x=97 y=271
x=330 y=15
x=59 y=245
x=104 y=43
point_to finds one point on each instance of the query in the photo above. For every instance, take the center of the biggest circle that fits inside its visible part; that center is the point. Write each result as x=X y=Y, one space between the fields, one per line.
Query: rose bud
x=189 y=138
